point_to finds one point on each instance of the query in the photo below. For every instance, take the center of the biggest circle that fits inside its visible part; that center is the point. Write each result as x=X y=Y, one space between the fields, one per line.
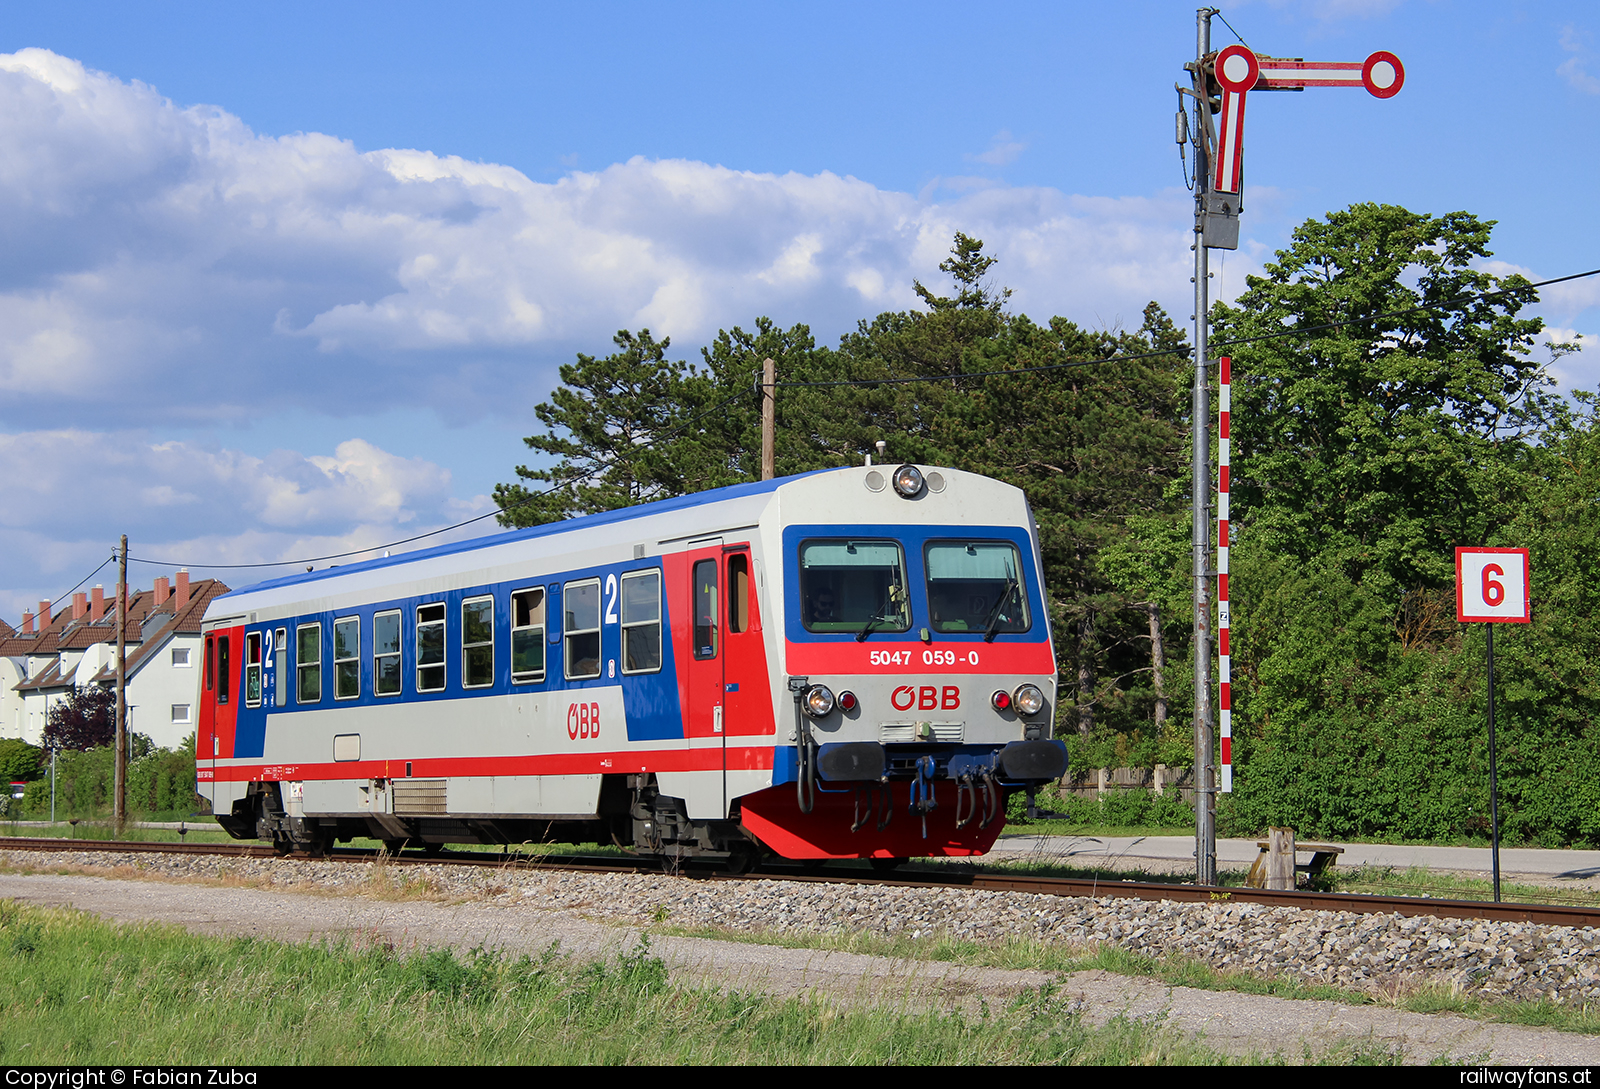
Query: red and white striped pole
x=1224 y=677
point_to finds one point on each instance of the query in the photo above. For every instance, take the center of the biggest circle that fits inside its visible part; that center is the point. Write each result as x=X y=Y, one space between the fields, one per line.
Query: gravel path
x=598 y=914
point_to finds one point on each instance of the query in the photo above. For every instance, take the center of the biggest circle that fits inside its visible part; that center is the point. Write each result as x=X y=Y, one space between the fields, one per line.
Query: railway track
x=1543 y=914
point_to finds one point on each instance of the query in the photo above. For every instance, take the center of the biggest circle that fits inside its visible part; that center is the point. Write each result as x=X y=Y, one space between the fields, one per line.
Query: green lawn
x=77 y=990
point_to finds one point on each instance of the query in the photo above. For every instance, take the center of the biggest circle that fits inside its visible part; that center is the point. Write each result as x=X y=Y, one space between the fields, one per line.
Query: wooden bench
x=1323 y=855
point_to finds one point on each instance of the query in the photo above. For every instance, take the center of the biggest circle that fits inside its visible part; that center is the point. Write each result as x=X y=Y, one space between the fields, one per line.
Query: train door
x=218 y=698
x=727 y=688
x=703 y=709
x=747 y=694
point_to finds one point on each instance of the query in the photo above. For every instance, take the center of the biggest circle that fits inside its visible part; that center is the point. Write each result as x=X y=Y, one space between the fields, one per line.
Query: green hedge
x=161 y=783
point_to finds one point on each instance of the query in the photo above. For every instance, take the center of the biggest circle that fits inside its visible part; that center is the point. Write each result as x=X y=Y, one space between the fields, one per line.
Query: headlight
x=819 y=700
x=908 y=481
x=1028 y=699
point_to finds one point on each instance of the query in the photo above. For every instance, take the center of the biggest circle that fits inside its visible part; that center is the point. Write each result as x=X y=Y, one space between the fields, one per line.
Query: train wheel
x=395 y=846
x=886 y=865
x=742 y=860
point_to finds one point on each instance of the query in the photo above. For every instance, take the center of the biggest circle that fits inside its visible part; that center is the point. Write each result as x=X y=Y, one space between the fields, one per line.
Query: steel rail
x=1303 y=899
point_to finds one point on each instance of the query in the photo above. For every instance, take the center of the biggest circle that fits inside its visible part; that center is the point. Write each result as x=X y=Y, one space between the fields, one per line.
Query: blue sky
x=281 y=280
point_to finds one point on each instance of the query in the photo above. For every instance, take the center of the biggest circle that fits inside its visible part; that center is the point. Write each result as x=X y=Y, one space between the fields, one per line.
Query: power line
x=1302 y=331
x=67 y=596
x=553 y=489
x=1293 y=332
x=606 y=464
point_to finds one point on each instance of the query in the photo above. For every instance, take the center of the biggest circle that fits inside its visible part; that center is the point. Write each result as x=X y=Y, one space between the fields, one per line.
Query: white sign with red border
x=1492 y=585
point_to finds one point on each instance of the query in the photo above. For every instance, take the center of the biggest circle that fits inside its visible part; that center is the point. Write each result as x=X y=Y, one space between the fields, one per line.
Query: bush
x=20 y=762
x=161 y=783
x=1118 y=809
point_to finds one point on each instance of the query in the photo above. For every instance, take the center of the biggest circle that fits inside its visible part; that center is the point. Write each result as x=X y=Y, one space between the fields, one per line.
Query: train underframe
x=919 y=801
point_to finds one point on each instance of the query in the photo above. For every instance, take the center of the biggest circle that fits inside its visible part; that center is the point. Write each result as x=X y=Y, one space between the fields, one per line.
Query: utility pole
x=769 y=418
x=1205 y=826
x=119 y=800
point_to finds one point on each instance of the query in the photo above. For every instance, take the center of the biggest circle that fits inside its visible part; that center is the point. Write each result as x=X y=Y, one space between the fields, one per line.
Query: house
x=78 y=646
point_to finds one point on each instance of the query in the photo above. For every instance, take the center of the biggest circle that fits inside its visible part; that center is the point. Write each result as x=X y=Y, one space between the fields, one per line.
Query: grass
x=1389 y=881
x=79 y=990
x=201 y=830
x=1053 y=827
x=1025 y=953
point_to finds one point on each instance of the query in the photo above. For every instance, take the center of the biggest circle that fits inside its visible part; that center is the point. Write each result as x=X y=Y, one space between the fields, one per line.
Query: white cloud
x=1579 y=369
x=70 y=492
x=164 y=266
x=168 y=265
x=1560 y=302
x=1002 y=150
x=1575 y=68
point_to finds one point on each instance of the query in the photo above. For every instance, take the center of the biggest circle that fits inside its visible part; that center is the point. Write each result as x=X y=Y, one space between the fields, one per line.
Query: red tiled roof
x=187 y=622
x=64 y=633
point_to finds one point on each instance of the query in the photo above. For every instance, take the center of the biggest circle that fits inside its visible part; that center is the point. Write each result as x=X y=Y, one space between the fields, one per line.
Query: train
x=853 y=663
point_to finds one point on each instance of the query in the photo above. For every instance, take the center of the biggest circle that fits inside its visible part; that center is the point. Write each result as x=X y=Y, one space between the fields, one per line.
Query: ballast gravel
x=1380 y=954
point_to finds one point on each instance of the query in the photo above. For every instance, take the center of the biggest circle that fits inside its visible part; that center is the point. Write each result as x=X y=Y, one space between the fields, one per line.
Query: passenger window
x=738 y=593
x=211 y=663
x=641 y=622
x=347 y=658
x=224 y=682
x=386 y=654
x=252 y=669
x=853 y=586
x=430 y=648
x=308 y=663
x=976 y=586
x=581 y=604
x=705 y=609
x=477 y=642
x=527 y=636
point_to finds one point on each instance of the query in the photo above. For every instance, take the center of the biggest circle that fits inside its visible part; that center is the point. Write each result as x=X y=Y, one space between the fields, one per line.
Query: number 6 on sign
x=1492 y=585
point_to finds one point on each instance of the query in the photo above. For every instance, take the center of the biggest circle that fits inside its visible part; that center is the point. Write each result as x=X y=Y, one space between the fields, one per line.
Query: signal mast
x=1220 y=82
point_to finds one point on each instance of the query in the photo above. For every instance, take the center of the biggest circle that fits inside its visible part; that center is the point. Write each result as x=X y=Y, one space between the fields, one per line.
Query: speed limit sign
x=1492 y=585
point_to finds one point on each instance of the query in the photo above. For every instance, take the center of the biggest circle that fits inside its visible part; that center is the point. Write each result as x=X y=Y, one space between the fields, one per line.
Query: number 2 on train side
x=583 y=720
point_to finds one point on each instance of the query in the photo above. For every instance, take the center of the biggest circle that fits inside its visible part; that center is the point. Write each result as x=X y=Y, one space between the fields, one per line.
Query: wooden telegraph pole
x=769 y=420
x=119 y=801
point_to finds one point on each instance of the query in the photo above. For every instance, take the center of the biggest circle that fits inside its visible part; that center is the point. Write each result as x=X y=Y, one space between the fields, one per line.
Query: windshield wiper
x=866 y=629
x=993 y=625
x=894 y=594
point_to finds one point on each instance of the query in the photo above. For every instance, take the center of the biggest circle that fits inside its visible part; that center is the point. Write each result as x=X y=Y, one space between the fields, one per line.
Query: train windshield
x=853 y=586
x=976 y=586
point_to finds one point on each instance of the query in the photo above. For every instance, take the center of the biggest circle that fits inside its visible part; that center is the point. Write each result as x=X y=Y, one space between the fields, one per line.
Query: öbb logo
x=926 y=698
x=583 y=720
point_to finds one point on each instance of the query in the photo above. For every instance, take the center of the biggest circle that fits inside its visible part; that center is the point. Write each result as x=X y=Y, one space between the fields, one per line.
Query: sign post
x=1492 y=588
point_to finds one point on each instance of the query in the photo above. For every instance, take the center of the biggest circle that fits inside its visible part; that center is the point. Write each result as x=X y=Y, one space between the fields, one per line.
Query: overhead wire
x=857 y=382
x=553 y=489
x=1290 y=332
x=67 y=597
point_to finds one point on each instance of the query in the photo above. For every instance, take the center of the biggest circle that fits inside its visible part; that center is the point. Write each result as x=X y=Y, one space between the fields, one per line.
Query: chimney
x=97 y=605
x=44 y=615
x=181 y=597
x=27 y=623
x=162 y=593
x=80 y=605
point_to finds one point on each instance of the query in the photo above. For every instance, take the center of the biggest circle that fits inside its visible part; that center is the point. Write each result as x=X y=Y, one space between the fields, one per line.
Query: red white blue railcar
x=847 y=664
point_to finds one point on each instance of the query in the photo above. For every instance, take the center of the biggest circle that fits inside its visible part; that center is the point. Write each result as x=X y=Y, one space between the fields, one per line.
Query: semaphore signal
x=1221 y=82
